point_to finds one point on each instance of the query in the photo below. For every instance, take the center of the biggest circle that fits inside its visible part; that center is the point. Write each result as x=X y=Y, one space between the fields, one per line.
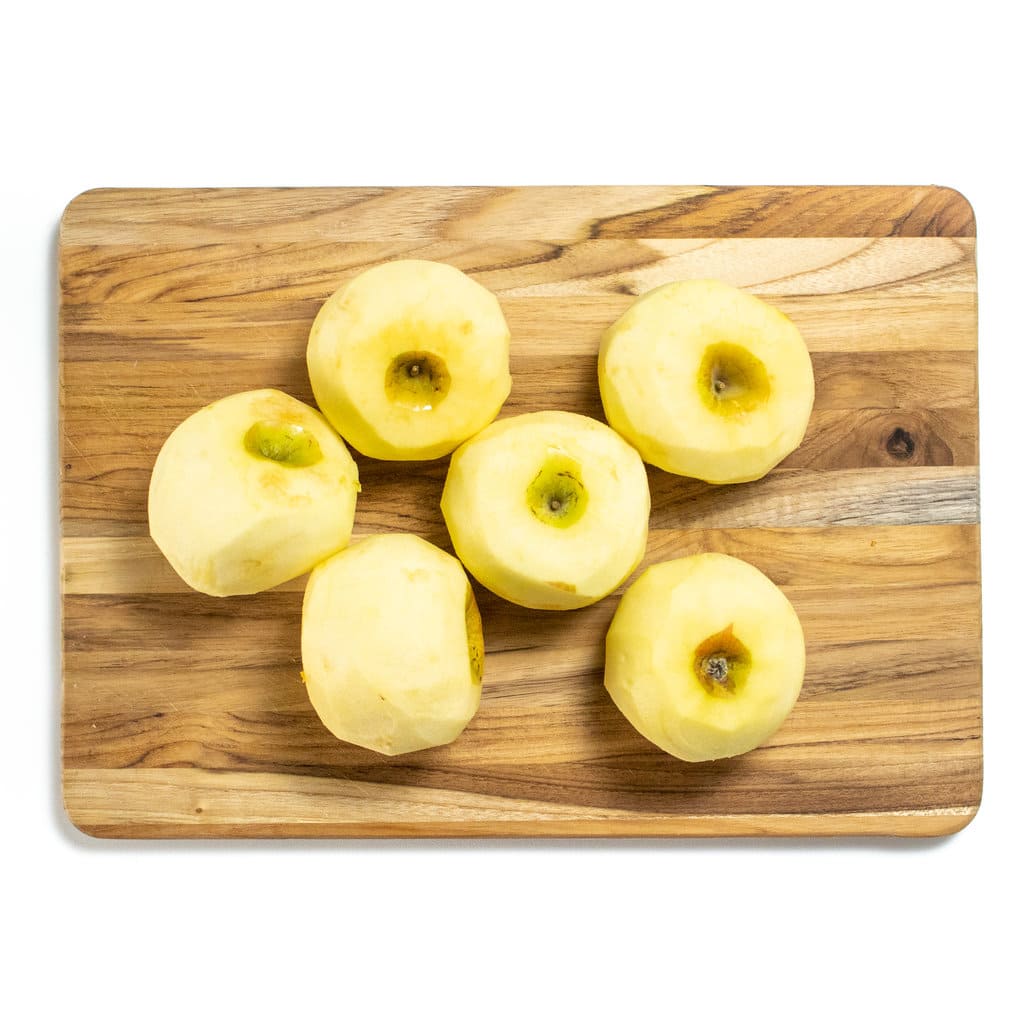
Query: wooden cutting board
x=184 y=715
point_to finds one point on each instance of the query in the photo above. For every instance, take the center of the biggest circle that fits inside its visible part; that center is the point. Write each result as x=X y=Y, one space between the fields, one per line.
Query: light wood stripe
x=862 y=556
x=189 y=803
x=849 y=497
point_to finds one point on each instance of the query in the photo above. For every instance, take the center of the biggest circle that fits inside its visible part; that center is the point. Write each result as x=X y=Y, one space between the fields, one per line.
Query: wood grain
x=498 y=214
x=185 y=716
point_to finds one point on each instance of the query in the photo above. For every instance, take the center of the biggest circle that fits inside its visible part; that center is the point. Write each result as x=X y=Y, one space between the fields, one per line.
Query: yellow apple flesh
x=707 y=381
x=409 y=359
x=392 y=645
x=704 y=657
x=548 y=510
x=251 y=491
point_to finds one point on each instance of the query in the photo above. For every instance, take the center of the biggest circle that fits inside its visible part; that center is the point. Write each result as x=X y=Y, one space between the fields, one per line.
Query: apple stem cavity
x=557 y=496
x=417 y=381
x=722 y=663
x=287 y=444
x=733 y=379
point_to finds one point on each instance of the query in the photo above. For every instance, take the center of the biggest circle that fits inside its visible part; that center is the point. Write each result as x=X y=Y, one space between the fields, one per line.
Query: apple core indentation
x=287 y=444
x=417 y=380
x=556 y=495
x=722 y=663
x=732 y=379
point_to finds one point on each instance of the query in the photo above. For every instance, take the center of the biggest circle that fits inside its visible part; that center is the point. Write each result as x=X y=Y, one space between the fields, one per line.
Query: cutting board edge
x=911 y=825
x=907 y=210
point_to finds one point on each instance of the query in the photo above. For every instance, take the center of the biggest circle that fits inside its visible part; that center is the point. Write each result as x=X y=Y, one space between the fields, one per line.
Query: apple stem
x=414 y=370
x=717 y=667
x=554 y=504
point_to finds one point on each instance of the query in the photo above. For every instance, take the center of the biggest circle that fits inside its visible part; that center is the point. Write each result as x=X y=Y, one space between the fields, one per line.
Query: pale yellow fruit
x=251 y=491
x=548 y=509
x=392 y=645
x=705 y=657
x=409 y=359
x=707 y=381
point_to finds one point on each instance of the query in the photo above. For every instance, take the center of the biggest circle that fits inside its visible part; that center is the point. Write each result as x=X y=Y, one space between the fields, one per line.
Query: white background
x=200 y=94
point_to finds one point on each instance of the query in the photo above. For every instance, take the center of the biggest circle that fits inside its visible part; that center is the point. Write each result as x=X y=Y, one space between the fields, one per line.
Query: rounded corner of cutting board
x=75 y=813
x=958 y=209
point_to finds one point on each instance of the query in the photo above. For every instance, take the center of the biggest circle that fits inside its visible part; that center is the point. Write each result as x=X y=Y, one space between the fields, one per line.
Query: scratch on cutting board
x=108 y=412
x=78 y=451
x=195 y=391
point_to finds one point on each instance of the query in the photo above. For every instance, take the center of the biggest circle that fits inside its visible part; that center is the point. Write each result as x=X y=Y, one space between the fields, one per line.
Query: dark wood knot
x=900 y=444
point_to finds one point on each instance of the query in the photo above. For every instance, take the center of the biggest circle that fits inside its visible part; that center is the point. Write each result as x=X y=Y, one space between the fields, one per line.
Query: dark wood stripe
x=215 y=273
x=896 y=325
